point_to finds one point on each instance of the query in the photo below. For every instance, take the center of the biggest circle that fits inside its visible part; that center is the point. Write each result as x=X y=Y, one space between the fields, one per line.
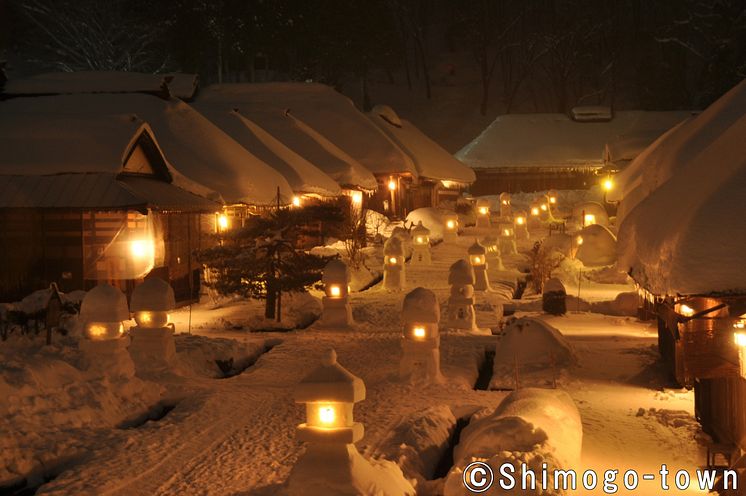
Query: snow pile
x=532 y=426
x=52 y=403
x=598 y=247
x=214 y=357
x=589 y=212
x=681 y=231
x=536 y=348
x=431 y=218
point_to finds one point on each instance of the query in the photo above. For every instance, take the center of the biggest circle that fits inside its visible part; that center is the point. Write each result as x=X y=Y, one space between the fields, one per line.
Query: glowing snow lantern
x=420 y=336
x=461 y=313
x=520 y=225
x=505 y=208
x=393 y=264
x=478 y=260
x=336 y=312
x=421 y=245
x=483 y=213
x=553 y=197
x=507 y=240
x=589 y=219
x=102 y=313
x=608 y=184
x=153 y=337
x=450 y=227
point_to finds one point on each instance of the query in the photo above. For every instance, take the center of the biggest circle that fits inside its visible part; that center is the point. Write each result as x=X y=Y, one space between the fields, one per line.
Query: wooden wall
x=490 y=182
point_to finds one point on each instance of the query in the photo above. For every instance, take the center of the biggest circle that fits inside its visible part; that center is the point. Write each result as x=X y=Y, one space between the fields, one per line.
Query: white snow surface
x=555 y=140
x=682 y=223
x=188 y=140
x=328 y=112
x=431 y=160
x=599 y=246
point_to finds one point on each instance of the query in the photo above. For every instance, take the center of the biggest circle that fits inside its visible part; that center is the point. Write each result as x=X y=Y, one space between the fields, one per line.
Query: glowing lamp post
x=153 y=337
x=393 y=264
x=607 y=185
x=420 y=336
x=520 y=225
x=336 y=312
x=505 y=208
x=102 y=313
x=478 y=260
x=507 y=240
x=222 y=223
x=421 y=245
x=461 y=301
x=450 y=227
x=483 y=213
x=331 y=463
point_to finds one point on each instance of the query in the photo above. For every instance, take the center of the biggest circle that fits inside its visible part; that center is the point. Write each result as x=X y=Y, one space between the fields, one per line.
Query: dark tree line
x=529 y=55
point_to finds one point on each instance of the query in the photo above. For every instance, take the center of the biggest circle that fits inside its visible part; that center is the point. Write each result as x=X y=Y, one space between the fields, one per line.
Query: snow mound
x=598 y=248
x=590 y=212
x=537 y=348
x=431 y=218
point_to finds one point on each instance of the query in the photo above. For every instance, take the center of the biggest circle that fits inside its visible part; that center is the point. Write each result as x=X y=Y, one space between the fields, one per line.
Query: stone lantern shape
x=483 y=213
x=421 y=245
x=520 y=225
x=420 y=336
x=337 y=312
x=153 y=337
x=450 y=227
x=331 y=464
x=534 y=214
x=405 y=237
x=507 y=239
x=461 y=302
x=102 y=314
x=393 y=265
x=492 y=247
x=478 y=260
x=506 y=210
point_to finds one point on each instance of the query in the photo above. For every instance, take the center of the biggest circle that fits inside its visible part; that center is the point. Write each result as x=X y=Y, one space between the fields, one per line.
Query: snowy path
x=236 y=436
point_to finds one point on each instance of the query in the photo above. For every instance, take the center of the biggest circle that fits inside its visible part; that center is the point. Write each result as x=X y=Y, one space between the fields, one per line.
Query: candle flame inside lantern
x=420 y=239
x=419 y=332
x=544 y=207
x=483 y=210
x=589 y=219
x=392 y=260
x=552 y=199
x=223 y=221
x=327 y=415
x=450 y=224
x=335 y=290
x=296 y=201
x=534 y=211
x=520 y=220
x=740 y=339
x=392 y=185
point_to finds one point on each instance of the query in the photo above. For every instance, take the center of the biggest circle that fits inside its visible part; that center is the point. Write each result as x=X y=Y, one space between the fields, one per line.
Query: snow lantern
x=507 y=239
x=505 y=208
x=405 y=237
x=483 y=213
x=553 y=198
x=421 y=245
x=596 y=246
x=520 y=225
x=331 y=464
x=102 y=312
x=492 y=247
x=420 y=336
x=478 y=260
x=534 y=218
x=336 y=312
x=461 y=301
x=393 y=264
x=590 y=213
x=450 y=227
x=153 y=337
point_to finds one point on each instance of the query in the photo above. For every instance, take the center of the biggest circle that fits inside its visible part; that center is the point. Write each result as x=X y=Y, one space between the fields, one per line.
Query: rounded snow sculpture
x=152 y=338
x=336 y=312
x=420 y=316
x=531 y=350
x=450 y=227
x=598 y=246
x=331 y=464
x=478 y=260
x=393 y=264
x=531 y=426
x=421 y=245
x=505 y=208
x=483 y=213
x=553 y=297
x=507 y=240
x=520 y=225
x=534 y=214
x=102 y=313
x=492 y=247
x=461 y=313
x=589 y=213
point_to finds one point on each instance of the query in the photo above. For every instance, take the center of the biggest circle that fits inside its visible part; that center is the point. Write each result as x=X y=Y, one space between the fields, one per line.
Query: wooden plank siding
x=515 y=180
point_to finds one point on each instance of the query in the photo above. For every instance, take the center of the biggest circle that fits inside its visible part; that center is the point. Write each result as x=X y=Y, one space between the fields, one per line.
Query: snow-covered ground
x=236 y=435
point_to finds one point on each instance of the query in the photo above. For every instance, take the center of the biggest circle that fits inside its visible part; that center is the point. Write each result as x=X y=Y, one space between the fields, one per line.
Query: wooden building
x=89 y=199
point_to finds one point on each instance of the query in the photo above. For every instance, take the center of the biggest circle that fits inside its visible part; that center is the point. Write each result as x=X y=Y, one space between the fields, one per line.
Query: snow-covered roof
x=556 y=141
x=330 y=113
x=190 y=142
x=302 y=175
x=683 y=227
x=430 y=159
x=624 y=149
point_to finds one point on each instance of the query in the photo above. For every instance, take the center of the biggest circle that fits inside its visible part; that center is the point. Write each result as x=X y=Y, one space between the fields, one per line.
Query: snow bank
x=530 y=425
x=538 y=349
x=681 y=231
x=431 y=218
x=598 y=248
